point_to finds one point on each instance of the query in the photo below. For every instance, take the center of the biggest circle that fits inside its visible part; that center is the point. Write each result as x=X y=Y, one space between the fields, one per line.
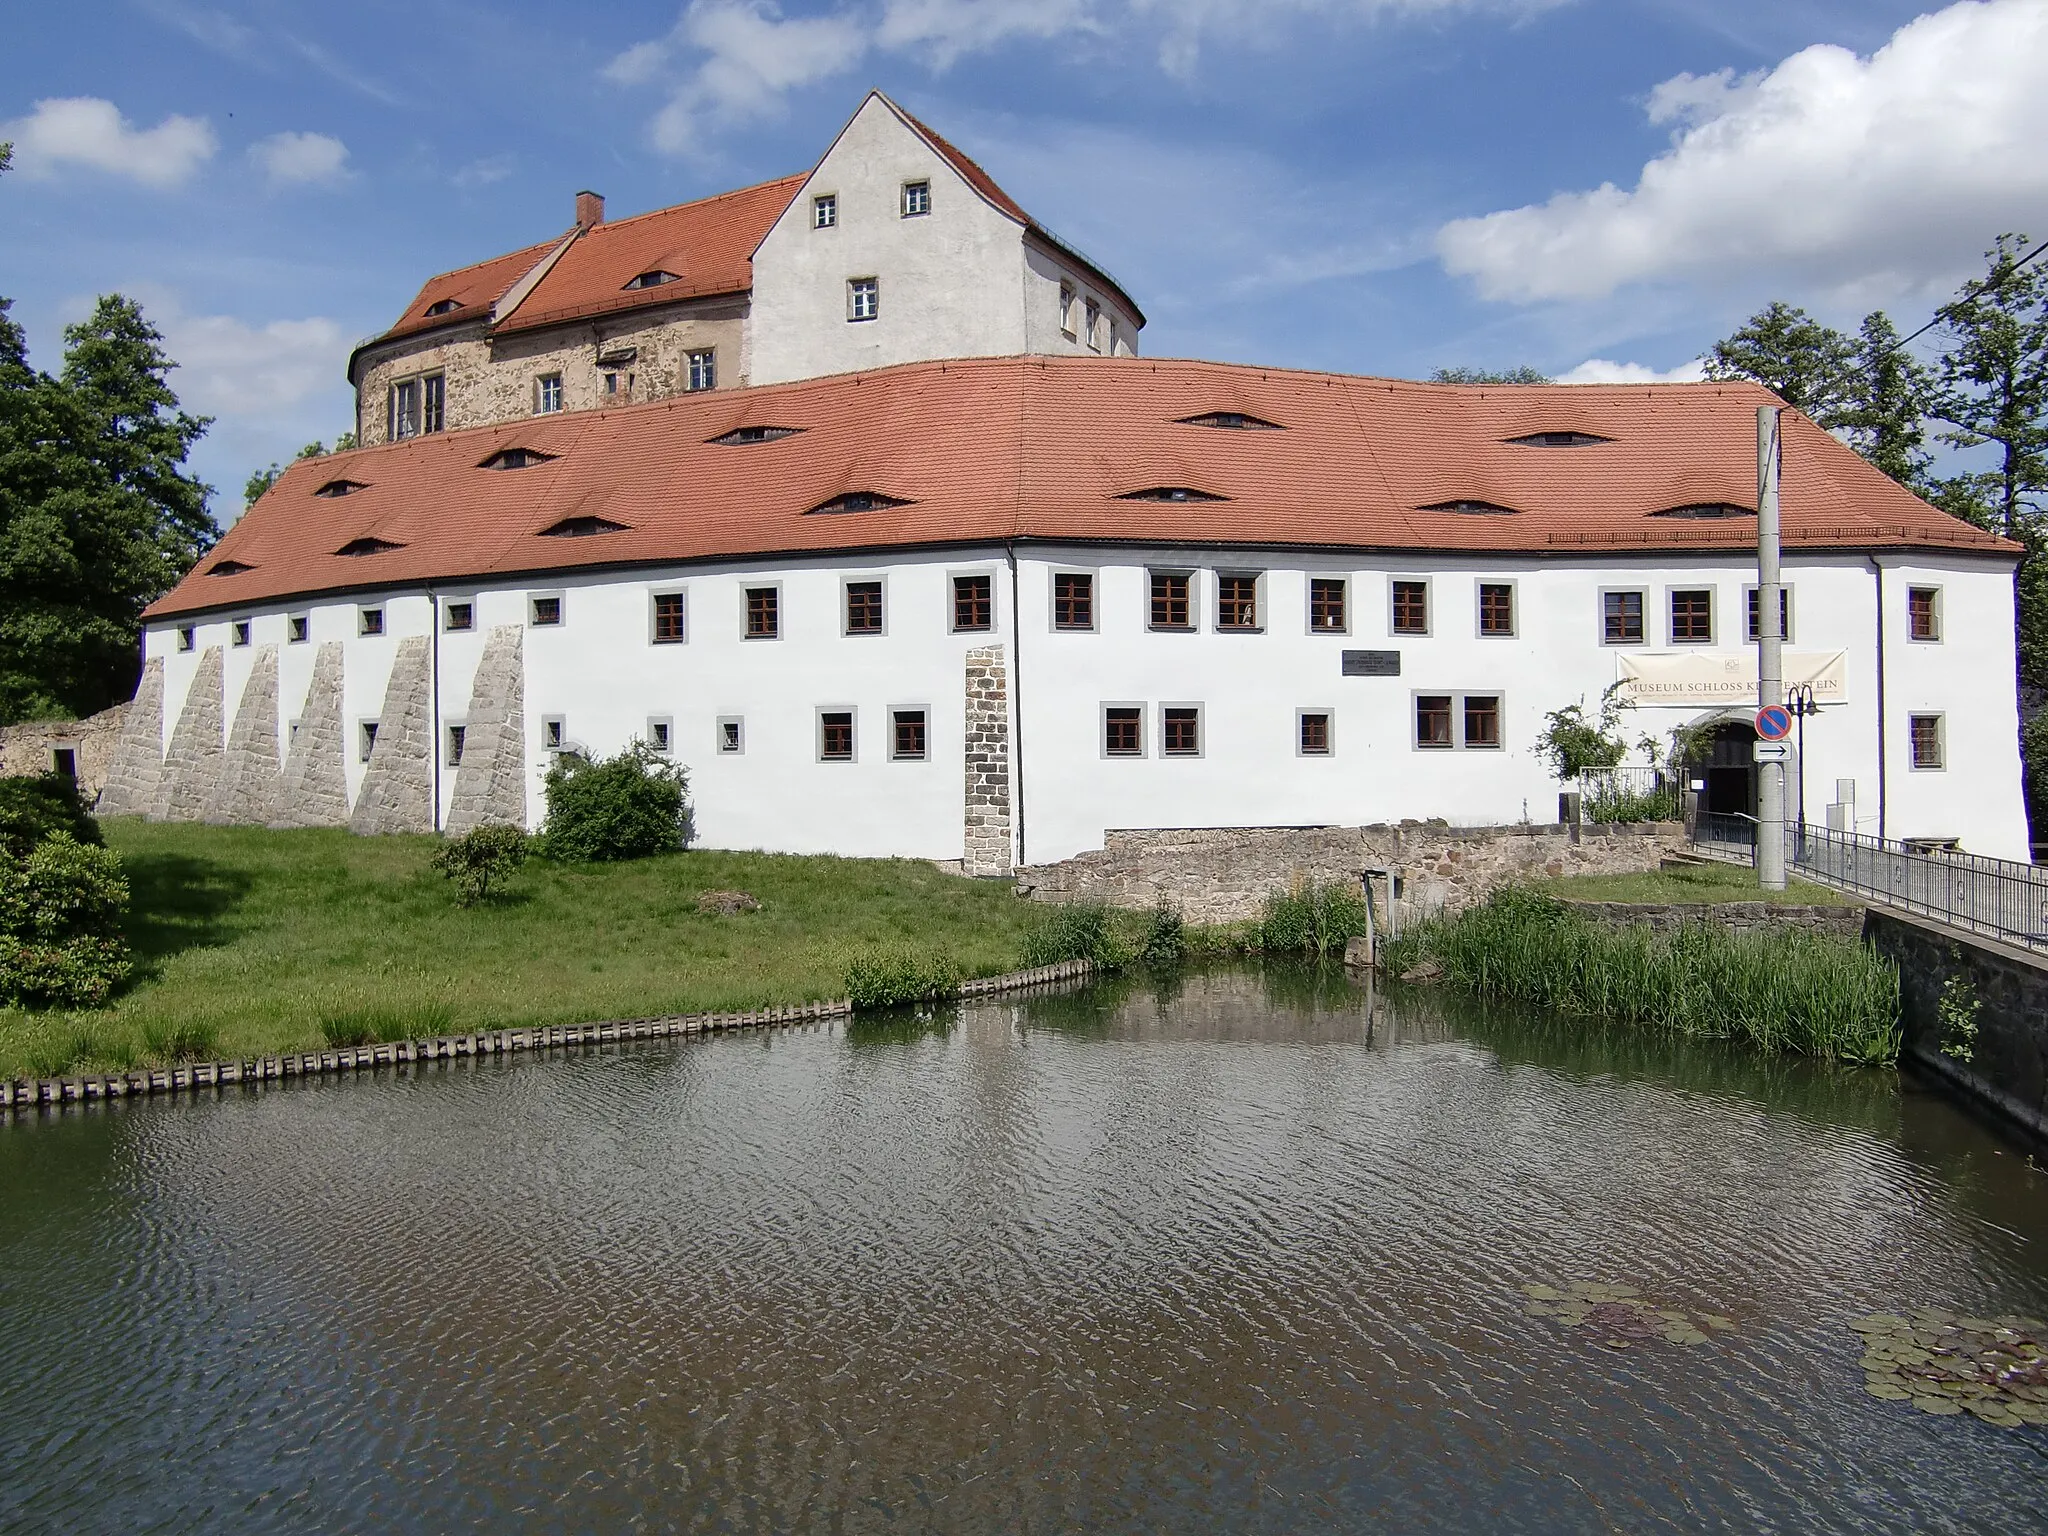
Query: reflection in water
x=1242 y=1253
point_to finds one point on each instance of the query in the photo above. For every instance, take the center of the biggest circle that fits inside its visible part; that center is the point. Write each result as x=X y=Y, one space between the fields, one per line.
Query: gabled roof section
x=473 y=290
x=979 y=451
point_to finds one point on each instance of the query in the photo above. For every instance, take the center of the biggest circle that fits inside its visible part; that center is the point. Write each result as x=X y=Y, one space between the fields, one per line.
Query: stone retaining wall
x=31 y=748
x=1223 y=874
x=1663 y=917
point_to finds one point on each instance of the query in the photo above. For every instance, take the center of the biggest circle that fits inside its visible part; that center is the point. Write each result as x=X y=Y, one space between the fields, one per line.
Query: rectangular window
x=1433 y=720
x=1092 y=316
x=1237 y=602
x=1784 y=613
x=456 y=735
x=863 y=298
x=433 y=403
x=1068 y=301
x=1926 y=736
x=1692 y=616
x=185 y=640
x=547 y=394
x=298 y=627
x=405 y=410
x=546 y=611
x=240 y=632
x=835 y=735
x=370 y=621
x=1496 y=608
x=1482 y=720
x=554 y=732
x=732 y=735
x=703 y=370
x=1073 y=600
x=367 y=739
x=457 y=617
x=1180 y=731
x=1123 y=730
x=825 y=211
x=907 y=738
x=973 y=606
x=668 y=618
x=1313 y=733
x=1326 y=605
x=659 y=734
x=1411 y=607
x=917 y=199
x=764 y=616
x=1170 y=600
x=1923 y=616
x=618 y=388
x=1621 y=618
x=863 y=607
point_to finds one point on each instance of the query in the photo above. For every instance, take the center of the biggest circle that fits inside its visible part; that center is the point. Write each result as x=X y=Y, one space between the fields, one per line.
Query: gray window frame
x=739 y=736
x=540 y=394
x=1428 y=586
x=240 y=633
x=1329 y=730
x=924 y=715
x=1102 y=730
x=451 y=754
x=1940 y=719
x=298 y=628
x=366 y=739
x=1052 y=600
x=825 y=210
x=1201 y=729
x=748 y=588
x=853 y=287
x=370 y=623
x=953 y=579
x=1258 y=625
x=1791 y=604
x=1713 y=592
x=654 y=595
x=1600 y=615
x=666 y=723
x=1308 y=602
x=846 y=584
x=1514 y=586
x=921 y=184
x=533 y=618
x=448 y=607
x=1195 y=600
x=852 y=713
x=1940 y=617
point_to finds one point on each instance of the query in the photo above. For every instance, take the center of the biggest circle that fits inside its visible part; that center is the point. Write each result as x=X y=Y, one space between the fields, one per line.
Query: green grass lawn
x=1697 y=883
x=247 y=941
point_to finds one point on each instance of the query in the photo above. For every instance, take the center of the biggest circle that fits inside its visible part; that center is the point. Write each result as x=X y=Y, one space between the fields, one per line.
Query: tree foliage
x=1804 y=363
x=623 y=807
x=97 y=516
x=1993 y=383
x=262 y=480
x=1523 y=374
x=1574 y=739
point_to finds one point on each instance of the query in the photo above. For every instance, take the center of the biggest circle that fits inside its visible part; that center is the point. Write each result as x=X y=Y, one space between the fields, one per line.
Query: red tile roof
x=985 y=450
x=708 y=245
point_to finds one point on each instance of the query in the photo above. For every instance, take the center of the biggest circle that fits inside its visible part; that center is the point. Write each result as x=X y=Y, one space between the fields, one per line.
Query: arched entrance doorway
x=1724 y=761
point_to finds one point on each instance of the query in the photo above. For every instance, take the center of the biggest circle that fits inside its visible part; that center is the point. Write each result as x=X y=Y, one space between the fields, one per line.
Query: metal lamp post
x=1799 y=703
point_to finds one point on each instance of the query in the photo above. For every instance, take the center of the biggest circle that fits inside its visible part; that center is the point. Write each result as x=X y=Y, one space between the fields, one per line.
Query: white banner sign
x=1726 y=677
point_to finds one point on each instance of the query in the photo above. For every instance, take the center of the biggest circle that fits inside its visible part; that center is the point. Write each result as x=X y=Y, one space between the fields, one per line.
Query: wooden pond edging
x=47 y=1092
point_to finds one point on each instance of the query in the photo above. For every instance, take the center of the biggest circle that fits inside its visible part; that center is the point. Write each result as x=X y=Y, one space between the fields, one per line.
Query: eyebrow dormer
x=228 y=567
x=656 y=278
x=860 y=501
x=1170 y=493
x=369 y=544
x=1233 y=421
x=583 y=528
x=335 y=488
x=1471 y=508
x=1558 y=440
x=1706 y=511
x=516 y=458
x=741 y=436
x=443 y=307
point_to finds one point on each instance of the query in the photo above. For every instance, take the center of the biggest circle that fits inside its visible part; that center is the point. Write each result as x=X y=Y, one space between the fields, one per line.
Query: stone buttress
x=192 y=766
x=398 y=787
x=490 y=783
x=986 y=848
x=137 y=768
x=314 y=790
x=246 y=794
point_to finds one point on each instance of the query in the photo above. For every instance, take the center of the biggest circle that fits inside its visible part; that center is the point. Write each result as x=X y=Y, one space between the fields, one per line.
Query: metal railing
x=2001 y=897
x=1630 y=794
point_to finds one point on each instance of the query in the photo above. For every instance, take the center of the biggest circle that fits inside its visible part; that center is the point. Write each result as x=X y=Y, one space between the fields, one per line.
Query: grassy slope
x=1701 y=883
x=255 y=937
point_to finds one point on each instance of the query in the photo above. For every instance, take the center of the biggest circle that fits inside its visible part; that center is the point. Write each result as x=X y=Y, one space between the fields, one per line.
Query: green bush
x=61 y=907
x=481 y=857
x=32 y=807
x=886 y=977
x=623 y=807
x=1164 y=941
x=1314 y=920
x=1779 y=989
x=1078 y=930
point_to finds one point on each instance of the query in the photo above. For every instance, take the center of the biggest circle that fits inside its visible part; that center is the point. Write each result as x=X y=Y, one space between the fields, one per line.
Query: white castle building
x=987 y=586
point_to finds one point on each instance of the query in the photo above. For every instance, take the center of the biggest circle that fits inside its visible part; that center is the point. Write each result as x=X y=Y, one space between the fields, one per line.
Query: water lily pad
x=1720 y=1324
x=1877 y=1322
x=1543 y=1292
x=1937 y=1405
x=1889 y=1391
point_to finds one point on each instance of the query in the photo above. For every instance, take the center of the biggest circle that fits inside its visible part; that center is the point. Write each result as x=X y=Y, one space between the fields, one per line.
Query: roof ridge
x=696 y=202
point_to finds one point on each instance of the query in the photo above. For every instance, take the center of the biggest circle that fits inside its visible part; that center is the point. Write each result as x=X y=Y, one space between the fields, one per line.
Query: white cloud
x=231 y=368
x=1601 y=370
x=1878 y=176
x=87 y=131
x=289 y=158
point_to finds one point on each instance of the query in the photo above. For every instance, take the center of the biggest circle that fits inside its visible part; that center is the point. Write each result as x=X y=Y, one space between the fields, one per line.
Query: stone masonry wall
x=192 y=765
x=398 y=788
x=31 y=748
x=314 y=792
x=246 y=794
x=130 y=788
x=1223 y=874
x=987 y=847
x=1663 y=917
x=490 y=783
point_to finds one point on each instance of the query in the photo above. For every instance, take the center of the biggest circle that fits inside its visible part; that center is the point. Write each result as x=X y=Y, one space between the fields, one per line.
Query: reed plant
x=1312 y=919
x=1777 y=989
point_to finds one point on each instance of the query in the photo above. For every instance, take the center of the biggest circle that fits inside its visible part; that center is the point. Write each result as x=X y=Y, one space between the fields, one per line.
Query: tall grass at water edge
x=1777 y=989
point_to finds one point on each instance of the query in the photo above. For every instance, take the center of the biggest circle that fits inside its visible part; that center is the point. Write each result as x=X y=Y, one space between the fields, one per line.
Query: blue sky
x=1595 y=187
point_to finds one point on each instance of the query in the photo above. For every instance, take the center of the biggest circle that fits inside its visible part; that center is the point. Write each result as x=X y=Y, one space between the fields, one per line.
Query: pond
x=1246 y=1252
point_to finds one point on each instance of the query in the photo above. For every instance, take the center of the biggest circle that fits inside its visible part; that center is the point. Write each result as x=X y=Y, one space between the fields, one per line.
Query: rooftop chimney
x=589 y=209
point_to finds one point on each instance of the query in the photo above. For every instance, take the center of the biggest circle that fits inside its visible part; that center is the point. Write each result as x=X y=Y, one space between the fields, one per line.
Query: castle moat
x=1250 y=1250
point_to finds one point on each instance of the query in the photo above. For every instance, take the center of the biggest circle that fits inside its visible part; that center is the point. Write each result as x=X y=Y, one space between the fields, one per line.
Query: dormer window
x=1235 y=421
x=1558 y=440
x=742 y=435
x=369 y=544
x=652 y=279
x=860 y=501
x=228 y=568
x=516 y=458
x=341 y=488
x=582 y=528
x=1471 y=508
x=1706 y=510
x=443 y=307
x=1171 y=493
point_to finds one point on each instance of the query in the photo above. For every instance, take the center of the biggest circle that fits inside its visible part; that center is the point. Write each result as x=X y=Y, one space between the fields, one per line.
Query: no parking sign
x=1774 y=722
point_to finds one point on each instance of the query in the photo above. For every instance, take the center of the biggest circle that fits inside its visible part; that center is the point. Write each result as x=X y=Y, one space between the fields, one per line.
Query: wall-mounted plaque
x=1372 y=663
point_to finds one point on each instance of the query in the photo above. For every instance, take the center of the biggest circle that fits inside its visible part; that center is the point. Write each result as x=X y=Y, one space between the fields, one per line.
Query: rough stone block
x=137 y=766
x=490 y=784
x=314 y=792
x=192 y=766
x=247 y=789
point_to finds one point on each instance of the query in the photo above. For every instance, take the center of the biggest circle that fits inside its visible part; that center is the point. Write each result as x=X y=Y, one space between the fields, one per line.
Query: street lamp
x=1799 y=704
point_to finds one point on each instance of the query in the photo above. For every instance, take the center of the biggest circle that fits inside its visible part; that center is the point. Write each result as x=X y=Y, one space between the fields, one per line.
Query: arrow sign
x=1771 y=751
x=1774 y=722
